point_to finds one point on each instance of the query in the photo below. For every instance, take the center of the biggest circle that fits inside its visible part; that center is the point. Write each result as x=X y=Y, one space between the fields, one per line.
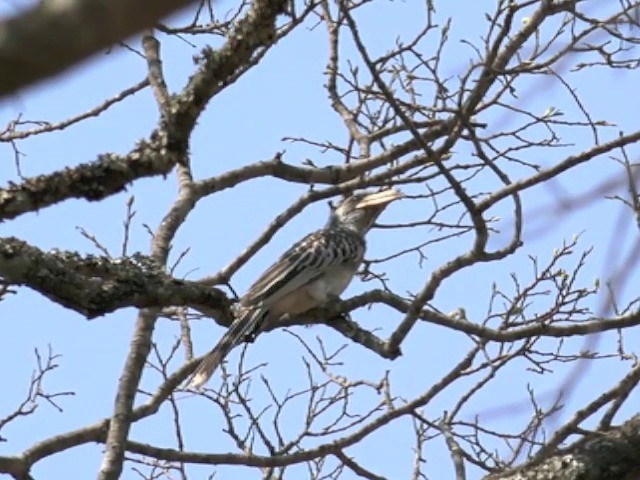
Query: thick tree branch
x=93 y=181
x=120 y=424
x=57 y=34
x=255 y=30
x=609 y=455
x=94 y=286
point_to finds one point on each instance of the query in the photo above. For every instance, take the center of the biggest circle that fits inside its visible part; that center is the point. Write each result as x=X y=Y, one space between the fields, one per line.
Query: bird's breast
x=316 y=293
x=337 y=279
x=331 y=284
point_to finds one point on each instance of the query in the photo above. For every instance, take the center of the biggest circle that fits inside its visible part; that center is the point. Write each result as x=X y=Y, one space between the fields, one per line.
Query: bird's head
x=360 y=210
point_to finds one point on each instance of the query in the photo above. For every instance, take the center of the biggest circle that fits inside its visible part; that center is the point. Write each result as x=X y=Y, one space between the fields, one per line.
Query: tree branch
x=610 y=455
x=93 y=181
x=255 y=30
x=56 y=34
x=93 y=285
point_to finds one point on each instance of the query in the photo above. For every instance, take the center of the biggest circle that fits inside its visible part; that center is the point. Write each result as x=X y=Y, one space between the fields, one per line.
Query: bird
x=313 y=272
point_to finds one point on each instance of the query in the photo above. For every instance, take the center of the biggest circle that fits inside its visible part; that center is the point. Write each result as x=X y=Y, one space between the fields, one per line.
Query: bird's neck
x=350 y=226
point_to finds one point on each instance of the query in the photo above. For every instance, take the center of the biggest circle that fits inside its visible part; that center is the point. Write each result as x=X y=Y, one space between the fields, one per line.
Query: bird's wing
x=302 y=263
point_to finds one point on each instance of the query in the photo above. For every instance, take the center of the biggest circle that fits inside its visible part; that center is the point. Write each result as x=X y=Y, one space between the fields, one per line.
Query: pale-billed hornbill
x=317 y=269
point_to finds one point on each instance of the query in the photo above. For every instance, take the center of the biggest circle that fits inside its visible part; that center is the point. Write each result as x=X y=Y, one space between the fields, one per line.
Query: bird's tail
x=245 y=325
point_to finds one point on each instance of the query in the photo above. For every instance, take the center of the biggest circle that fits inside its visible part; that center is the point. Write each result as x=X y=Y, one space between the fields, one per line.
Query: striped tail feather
x=242 y=328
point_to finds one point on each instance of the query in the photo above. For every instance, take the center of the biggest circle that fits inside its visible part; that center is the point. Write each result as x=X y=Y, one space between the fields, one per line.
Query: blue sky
x=284 y=97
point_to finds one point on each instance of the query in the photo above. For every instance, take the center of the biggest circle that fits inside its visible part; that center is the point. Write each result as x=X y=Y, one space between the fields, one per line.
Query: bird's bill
x=380 y=198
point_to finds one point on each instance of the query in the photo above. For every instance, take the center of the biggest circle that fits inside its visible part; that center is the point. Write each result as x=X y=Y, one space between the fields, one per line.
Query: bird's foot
x=332 y=303
x=250 y=337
